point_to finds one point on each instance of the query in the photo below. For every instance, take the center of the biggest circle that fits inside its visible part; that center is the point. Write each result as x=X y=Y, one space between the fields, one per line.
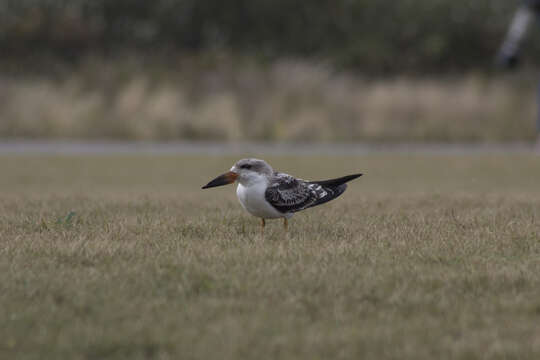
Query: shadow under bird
x=268 y=194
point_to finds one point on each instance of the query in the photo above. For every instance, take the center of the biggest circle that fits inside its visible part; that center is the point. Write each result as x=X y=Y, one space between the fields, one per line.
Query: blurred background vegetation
x=320 y=70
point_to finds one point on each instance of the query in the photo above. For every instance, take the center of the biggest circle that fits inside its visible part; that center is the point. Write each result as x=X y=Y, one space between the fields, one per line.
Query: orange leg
x=263 y=224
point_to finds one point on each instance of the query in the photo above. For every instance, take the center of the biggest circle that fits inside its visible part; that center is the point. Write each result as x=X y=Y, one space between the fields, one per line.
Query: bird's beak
x=227 y=178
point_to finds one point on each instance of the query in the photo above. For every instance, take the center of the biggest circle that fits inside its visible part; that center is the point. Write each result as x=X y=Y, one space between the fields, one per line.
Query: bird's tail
x=333 y=187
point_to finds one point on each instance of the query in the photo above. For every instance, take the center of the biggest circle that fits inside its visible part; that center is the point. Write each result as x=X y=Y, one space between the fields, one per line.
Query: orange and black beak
x=227 y=178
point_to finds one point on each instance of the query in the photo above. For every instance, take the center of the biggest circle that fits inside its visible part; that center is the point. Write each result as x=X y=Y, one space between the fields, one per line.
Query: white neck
x=252 y=178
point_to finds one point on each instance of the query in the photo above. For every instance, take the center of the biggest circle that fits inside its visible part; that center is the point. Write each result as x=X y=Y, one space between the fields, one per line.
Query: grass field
x=124 y=257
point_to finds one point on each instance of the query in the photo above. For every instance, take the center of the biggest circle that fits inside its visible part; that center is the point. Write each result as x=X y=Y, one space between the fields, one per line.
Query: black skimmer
x=268 y=194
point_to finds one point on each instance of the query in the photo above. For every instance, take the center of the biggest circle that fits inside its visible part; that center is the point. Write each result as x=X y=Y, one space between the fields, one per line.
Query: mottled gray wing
x=287 y=194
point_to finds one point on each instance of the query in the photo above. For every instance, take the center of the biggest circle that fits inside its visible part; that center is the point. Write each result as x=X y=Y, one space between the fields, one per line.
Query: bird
x=269 y=194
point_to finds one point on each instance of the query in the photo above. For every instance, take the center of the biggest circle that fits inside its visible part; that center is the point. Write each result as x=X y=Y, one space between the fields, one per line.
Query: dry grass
x=126 y=258
x=222 y=99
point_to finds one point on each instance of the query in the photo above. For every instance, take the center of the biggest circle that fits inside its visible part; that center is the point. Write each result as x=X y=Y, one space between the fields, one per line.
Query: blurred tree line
x=375 y=36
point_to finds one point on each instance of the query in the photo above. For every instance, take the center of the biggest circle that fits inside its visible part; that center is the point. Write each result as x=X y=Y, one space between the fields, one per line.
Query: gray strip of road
x=246 y=148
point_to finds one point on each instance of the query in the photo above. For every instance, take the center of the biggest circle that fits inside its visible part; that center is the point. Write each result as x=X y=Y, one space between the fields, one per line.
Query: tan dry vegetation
x=287 y=100
x=425 y=257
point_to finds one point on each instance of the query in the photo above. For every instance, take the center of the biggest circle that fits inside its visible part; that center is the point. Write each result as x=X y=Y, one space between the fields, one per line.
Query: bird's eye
x=246 y=166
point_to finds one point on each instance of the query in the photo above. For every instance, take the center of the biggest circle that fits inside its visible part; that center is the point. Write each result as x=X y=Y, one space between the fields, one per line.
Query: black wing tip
x=338 y=181
x=348 y=178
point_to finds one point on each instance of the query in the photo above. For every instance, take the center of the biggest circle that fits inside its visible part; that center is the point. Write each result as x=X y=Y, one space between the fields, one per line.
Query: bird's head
x=246 y=171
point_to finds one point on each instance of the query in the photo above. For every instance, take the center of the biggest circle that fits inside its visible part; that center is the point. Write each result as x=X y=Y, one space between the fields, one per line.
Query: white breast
x=252 y=199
